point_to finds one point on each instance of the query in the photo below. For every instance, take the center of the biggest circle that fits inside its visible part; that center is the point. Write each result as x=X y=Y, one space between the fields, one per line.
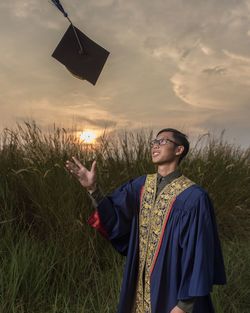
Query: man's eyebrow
x=164 y=138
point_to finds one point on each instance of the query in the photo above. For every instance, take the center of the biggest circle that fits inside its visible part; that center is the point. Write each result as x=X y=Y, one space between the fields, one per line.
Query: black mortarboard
x=81 y=56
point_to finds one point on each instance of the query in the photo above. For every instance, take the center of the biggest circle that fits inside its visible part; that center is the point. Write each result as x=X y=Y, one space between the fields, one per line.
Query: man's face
x=162 y=154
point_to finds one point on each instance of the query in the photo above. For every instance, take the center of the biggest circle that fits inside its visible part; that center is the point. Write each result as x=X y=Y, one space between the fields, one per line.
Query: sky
x=173 y=63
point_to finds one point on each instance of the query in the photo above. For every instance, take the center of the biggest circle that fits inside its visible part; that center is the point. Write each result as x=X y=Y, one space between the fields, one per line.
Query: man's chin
x=161 y=162
x=157 y=162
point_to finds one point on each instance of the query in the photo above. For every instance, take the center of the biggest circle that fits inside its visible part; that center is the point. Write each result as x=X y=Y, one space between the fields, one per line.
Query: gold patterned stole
x=153 y=218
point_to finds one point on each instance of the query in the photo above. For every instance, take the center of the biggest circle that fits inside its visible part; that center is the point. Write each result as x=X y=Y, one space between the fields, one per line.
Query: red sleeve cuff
x=95 y=222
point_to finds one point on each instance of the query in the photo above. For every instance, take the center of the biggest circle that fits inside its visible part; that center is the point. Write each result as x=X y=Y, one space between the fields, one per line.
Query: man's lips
x=155 y=153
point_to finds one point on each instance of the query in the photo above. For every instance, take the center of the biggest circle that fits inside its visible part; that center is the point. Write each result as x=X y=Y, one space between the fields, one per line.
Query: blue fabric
x=190 y=260
x=58 y=4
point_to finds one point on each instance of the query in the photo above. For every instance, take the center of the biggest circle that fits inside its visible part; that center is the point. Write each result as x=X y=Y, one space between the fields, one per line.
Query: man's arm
x=176 y=309
x=201 y=262
x=96 y=196
x=116 y=211
x=186 y=305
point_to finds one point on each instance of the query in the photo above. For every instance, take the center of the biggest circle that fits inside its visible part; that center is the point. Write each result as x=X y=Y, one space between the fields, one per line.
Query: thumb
x=93 y=167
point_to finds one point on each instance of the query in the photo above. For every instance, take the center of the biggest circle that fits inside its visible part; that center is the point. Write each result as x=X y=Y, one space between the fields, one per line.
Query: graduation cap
x=83 y=57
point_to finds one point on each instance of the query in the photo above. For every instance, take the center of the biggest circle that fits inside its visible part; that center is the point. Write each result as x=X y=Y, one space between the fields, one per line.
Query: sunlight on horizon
x=88 y=136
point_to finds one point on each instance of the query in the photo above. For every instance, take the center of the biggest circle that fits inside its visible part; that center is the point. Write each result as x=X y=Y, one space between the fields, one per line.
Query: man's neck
x=166 y=169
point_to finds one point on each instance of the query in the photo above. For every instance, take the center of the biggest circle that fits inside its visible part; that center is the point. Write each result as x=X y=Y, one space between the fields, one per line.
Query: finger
x=74 y=174
x=78 y=163
x=93 y=167
x=70 y=165
x=71 y=171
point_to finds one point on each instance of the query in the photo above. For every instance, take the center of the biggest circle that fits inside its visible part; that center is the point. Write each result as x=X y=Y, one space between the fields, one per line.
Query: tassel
x=58 y=4
x=60 y=7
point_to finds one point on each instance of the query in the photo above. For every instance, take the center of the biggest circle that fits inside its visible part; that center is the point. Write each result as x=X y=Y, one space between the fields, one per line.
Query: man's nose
x=155 y=144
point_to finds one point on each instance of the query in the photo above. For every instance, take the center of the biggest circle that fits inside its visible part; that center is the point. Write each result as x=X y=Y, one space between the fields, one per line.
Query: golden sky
x=173 y=63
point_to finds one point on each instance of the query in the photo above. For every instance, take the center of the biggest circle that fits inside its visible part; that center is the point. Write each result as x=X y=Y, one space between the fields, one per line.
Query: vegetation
x=51 y=261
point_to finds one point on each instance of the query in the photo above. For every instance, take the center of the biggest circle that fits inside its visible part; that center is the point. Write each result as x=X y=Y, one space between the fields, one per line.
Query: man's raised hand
x=86 y=178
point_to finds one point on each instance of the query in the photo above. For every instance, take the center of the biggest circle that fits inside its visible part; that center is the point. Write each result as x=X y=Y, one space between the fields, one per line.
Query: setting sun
x=88 y=136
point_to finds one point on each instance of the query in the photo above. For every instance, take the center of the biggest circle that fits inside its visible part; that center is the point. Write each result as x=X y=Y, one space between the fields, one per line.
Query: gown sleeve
x=201 y=257
x=116 y=212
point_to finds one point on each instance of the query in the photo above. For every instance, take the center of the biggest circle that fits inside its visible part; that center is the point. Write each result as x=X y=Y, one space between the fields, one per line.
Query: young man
x=164 y=223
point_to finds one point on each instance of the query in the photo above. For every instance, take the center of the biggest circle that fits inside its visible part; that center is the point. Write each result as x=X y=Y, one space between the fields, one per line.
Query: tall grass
x=51 y=261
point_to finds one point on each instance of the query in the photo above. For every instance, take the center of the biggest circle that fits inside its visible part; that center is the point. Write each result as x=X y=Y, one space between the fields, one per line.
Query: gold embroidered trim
x=153 y=217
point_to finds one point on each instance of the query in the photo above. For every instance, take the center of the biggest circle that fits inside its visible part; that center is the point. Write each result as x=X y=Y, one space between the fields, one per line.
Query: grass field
x=51 y=261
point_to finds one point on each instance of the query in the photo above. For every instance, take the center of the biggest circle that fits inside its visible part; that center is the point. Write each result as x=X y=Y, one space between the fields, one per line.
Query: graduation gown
x=187 y=262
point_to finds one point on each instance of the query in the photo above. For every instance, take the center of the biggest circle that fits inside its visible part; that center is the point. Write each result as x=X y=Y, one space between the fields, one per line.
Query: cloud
x=178 y=62
x=216 y=70
x=224 y=83
x=99 y=123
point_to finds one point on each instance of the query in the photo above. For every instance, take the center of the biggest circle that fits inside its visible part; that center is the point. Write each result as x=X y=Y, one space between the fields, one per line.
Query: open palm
x=86 y=178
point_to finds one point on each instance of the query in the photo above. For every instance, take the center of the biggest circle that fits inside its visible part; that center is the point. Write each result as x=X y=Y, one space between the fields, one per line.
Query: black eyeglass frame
x=162 y=142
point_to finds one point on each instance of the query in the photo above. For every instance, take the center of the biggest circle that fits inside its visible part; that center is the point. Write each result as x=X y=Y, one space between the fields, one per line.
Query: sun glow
x=88 y=136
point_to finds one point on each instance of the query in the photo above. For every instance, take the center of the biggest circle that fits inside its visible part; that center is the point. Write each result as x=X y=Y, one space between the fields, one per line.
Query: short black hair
x=180 y=138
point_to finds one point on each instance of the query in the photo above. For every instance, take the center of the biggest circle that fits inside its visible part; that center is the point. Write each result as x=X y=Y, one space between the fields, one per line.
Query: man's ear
x=179 y=150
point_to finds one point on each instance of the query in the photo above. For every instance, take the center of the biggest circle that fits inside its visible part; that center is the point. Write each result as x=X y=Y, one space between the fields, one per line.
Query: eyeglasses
x=162 y=142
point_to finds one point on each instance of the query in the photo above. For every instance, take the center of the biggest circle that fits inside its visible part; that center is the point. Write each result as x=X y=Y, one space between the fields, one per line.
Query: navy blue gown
x=190 y=260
